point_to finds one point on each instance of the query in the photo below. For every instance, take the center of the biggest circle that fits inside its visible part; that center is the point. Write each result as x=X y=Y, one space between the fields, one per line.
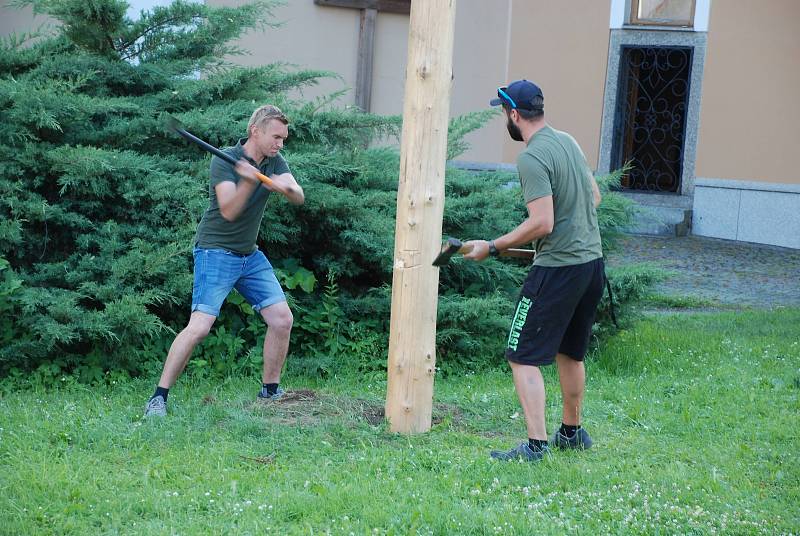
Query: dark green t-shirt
x=239 y=235
x=553 y=164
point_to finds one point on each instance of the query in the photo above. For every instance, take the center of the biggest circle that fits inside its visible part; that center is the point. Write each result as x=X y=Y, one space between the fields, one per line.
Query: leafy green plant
x=319 y=330
x=616 y=211
x=100 y=204
x=225 y=348
x=235 y=343
x=10 y=285
x=629 y=286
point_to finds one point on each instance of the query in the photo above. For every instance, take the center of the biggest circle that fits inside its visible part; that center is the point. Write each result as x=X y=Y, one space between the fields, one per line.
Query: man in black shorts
x=556 y=307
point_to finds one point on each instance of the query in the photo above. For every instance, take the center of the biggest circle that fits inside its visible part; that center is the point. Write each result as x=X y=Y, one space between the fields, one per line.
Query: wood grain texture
x=420 y=206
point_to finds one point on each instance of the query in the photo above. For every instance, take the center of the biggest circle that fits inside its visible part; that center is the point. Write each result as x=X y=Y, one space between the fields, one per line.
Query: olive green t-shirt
x=239 y=235
x=553 y=164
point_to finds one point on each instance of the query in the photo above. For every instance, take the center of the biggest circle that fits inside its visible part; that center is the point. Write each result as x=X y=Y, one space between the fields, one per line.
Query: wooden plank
x=420 y=206
x=388 y=6
x=366 y=52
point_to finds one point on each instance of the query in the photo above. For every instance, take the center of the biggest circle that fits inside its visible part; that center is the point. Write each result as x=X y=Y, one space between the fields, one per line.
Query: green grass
x=682 y=302
x=695 y=419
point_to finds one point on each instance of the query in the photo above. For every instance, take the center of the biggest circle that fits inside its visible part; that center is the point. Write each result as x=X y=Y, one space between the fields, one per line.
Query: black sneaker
x=522 y=451
x=579 y=440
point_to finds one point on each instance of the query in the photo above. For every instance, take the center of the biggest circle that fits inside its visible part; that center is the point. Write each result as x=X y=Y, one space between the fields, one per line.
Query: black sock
x=567 y=430
x=537 y=445
x=269 y=389
x=160 y=391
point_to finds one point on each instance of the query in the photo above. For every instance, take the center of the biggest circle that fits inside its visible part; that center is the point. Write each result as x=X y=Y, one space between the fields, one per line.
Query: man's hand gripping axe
x=452 y=246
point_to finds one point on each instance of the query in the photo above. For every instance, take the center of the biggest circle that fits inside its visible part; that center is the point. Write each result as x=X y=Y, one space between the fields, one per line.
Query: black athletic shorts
x=555 y=313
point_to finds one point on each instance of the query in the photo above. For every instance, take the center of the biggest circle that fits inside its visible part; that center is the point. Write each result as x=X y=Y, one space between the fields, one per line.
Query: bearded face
x=513 y=130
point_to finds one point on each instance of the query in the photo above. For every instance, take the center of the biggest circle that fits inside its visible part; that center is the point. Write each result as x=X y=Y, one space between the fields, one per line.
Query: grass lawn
x=694 y=416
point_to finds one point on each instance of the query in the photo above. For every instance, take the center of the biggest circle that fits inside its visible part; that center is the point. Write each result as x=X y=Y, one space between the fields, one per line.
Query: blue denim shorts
x=217 y=271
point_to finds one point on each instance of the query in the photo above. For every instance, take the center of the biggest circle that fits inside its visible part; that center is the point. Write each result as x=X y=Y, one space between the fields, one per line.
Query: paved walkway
x=723 y=271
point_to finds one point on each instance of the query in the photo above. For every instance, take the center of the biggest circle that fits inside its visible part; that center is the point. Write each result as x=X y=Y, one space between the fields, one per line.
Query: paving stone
x=724 y=271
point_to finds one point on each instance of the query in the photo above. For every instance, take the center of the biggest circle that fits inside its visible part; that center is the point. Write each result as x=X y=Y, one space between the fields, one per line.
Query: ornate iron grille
x=650 y=122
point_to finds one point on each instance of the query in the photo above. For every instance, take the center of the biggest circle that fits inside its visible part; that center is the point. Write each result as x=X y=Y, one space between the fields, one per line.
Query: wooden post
x=366 y=52
x=420 y=206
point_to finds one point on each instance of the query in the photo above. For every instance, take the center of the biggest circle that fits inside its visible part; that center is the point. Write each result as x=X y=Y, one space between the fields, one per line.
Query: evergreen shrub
x=99 y=204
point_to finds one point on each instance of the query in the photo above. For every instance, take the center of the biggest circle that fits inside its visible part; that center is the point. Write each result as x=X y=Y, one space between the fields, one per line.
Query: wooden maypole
x=420 y=206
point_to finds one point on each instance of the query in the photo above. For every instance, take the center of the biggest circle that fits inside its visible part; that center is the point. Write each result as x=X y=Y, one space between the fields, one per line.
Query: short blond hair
x=265 y=114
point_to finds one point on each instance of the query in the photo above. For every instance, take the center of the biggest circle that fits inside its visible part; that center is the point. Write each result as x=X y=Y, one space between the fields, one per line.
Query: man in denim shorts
x=556 y=307
x=226 y=255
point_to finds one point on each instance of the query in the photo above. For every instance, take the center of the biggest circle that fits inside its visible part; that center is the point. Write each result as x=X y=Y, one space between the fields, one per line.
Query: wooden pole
x=420 y=205
x=366 y=52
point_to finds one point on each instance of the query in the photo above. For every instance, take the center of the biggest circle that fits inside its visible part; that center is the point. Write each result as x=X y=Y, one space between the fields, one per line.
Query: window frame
x=634 y=20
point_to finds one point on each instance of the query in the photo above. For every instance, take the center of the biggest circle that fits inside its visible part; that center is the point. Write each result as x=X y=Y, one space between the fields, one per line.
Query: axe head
x=172 y=125
x=449 y=248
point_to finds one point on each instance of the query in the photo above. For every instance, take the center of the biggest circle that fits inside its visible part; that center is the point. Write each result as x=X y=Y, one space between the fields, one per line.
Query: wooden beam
x=420 y=206
x=389 y=6
x=366 y=39
x=366 y=50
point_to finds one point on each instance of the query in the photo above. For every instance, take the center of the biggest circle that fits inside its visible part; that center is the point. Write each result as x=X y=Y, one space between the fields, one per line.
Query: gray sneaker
x=522 y=451
x=262 y=395
x=156 y=407
x=580 y=440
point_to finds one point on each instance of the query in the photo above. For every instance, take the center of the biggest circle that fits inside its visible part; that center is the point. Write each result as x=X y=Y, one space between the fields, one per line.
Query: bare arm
x=595 y=192
x=284 y=183
x=287 y=185
x=538 y=224
x=232 y=197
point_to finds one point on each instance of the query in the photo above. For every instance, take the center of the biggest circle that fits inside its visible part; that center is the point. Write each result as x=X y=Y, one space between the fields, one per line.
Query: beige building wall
x=326 y=38
x=309 y=37
x=480 y=64
x=563 y=47
x=495 y=42
x=389 y=64
x=750 y=113
x=13 y=20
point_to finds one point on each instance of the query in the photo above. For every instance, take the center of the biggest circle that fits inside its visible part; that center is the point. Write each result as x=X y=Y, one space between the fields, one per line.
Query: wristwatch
x=493 y=250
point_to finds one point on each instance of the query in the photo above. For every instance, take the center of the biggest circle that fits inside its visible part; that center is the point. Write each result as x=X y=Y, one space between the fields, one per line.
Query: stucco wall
x=750 y=113
x=13 y=20
x=327 y=38
x=480 y=64
x=563 y=47
x=309 y=37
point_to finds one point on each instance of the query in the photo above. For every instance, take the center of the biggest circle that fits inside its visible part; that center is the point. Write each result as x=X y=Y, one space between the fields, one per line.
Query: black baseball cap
x=519 y=94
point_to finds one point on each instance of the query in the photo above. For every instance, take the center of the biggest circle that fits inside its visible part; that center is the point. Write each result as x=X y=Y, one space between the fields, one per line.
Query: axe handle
x=518 y=253
x=511 y=252
x=263 y=178
x=216 y=152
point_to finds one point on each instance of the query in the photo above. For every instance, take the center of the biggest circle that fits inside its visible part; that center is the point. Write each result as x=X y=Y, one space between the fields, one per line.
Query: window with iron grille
x=650 y=118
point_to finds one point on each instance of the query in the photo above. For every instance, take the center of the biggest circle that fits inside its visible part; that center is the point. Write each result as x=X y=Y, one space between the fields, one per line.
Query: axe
x=452 y=246
x=173 y=125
